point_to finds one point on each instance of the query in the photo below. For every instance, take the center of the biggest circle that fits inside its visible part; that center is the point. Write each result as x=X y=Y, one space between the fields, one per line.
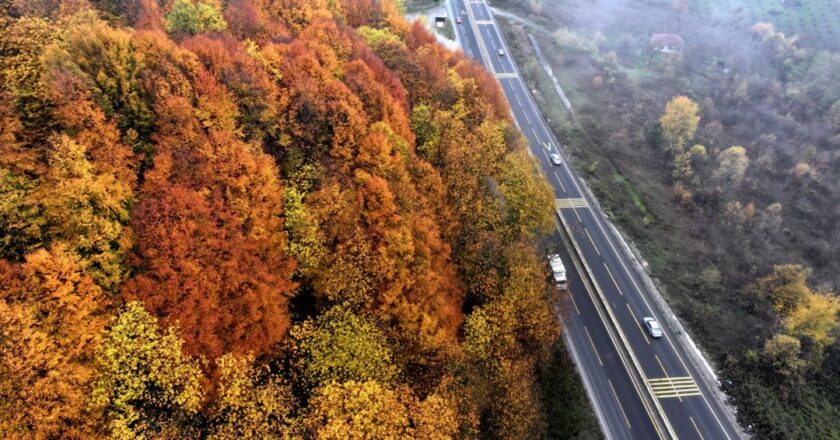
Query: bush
x=194 y=18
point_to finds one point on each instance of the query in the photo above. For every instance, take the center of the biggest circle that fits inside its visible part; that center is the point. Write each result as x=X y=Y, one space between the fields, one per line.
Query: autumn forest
x=262 y=219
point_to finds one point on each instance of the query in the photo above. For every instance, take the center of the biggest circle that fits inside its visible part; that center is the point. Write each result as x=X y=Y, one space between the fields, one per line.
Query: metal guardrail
x=636 y=373
x=639 y=380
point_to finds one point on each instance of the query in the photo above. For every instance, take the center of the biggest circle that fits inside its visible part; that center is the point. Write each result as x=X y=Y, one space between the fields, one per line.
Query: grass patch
x=637 y=200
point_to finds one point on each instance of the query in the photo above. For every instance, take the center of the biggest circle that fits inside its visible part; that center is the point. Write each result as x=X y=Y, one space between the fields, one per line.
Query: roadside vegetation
x=719 y=156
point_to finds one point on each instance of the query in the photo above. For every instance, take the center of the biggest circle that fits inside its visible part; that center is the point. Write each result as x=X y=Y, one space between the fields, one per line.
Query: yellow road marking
x=665 y=372
x=593 y=346
x=696 y=428
x=613 y=279
x=667 y=379
x=571 y=203
x=636 y=320
x=592 y=241
x=617 y=400
x=636 y=286
x=679 y=387
x=589 y=289
x=571 y=297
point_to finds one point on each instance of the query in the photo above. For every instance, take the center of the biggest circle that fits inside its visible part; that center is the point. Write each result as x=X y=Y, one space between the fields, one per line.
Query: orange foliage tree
x=209 y=230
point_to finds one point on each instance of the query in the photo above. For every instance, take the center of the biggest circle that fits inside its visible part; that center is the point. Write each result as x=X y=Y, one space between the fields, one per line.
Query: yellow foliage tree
x=528 y=196
x=89 y=211
x=679 y=122
x=251 y=403
x=146 y=385
x=360 y=410
x=815 y=318
x=785 y=288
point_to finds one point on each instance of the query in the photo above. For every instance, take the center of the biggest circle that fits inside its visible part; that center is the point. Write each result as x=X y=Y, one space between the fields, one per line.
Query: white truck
x=558 y=271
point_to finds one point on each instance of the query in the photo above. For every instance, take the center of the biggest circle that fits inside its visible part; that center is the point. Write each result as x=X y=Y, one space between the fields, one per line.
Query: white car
x=556 y=159
x=501 y=52
x=653 y=327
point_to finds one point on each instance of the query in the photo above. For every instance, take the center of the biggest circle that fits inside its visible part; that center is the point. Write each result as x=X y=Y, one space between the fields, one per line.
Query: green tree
x=782 y=352
x=252 y=403
x=194 y=18
x=22 y=42
x=679 y=122
x=145 y=383
x=427 y=132
x=732 y=165
x=305 y=238
x=20 y=218
x=106 y=60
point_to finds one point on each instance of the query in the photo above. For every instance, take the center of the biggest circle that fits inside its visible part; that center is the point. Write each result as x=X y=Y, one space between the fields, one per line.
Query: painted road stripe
x=613 y=279
x=644 y=334
x=696 y=428
x=570 y=203
x=593 y=346
x=572 y=297
x=626 y=420
x=562 y=188
x=592 y=241
x=679 y=387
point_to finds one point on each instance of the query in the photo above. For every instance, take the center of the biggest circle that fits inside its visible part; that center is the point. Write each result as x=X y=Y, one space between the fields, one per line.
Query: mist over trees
x=718 y=154
x=262 y=218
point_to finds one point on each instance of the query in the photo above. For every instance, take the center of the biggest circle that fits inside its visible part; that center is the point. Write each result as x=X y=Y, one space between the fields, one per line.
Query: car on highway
x=501 y=52
x=458 y=20
x=558 y=271
x=556 y=159
x=653 y=327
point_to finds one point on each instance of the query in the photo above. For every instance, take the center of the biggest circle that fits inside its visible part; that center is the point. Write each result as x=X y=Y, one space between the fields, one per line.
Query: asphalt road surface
x=641 y=388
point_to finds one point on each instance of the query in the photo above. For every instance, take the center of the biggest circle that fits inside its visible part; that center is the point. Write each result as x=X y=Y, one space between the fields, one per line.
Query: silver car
x=556 y=159
x=653 y=327
x=501 y=52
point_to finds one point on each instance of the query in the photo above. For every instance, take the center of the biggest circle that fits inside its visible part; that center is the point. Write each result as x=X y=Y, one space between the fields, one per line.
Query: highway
x=640 y=387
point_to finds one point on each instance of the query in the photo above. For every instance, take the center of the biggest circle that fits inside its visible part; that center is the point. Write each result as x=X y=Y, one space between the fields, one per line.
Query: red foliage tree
x=209 y=233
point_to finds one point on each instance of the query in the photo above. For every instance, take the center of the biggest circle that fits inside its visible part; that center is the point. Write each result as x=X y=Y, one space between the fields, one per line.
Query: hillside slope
x=261 y=218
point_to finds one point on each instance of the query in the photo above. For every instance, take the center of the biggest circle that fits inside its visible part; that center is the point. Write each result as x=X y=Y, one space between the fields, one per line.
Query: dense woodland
x=261 y=219
x=722 y=163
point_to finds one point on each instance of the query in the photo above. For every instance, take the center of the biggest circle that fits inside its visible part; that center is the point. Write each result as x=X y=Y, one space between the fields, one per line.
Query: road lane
x=686 y=405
